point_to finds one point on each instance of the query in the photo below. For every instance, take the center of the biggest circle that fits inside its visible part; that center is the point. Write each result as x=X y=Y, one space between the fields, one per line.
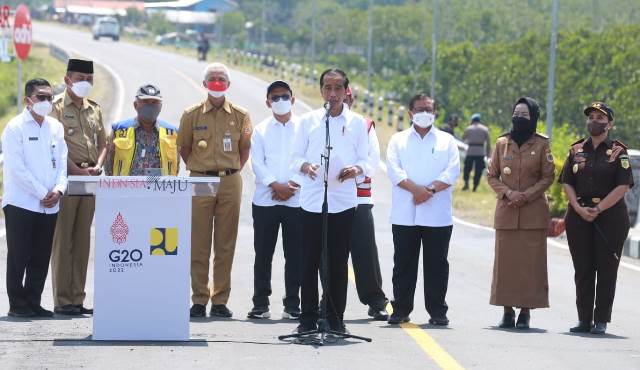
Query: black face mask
x=522 y=129
x=596 y=128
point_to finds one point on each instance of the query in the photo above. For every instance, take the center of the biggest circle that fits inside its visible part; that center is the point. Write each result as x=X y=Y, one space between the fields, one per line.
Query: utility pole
x=369 y=44
x=552 y=66
x=313 y=35
x=263 y=29
x=434 y=46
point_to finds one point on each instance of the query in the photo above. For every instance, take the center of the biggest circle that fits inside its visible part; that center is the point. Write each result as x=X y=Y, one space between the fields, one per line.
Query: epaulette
x=542 y=135
x=620 y=143
x=238 y=108
x=577 y=146
x=58 y=98
x=193 y=108
x=505 y=134
x=93 y=102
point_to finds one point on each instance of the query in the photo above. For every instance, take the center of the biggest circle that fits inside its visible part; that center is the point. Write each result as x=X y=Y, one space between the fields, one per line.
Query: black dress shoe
x=508 y=320
x=582 y=327
x=304 y=328
x=67 y=310
x=83 y=310
x=378 y=314
x=220 y=310
x=259 y=313
x=21 y=312
x=440 y=321
x=198 y=310
x=599 y=328
x=396 y=319
x=523 y=321
x=39 y=311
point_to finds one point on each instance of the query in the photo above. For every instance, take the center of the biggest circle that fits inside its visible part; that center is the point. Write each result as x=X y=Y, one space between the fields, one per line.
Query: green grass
x=477 y=207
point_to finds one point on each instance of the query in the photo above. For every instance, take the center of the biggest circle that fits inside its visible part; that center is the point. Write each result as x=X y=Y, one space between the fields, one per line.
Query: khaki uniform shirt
x=83 y=128
x=205 y=129
x=529 y=169
x=476 y=136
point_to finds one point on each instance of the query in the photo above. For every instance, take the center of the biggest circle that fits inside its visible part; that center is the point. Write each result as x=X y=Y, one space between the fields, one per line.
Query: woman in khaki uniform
x=520 y=171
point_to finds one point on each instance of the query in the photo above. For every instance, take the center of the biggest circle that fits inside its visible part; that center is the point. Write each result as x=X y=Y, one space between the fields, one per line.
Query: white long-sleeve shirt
x=35 y=162
x=348 y=136
x=422 y=160
x=374 y=163
x=271 y=153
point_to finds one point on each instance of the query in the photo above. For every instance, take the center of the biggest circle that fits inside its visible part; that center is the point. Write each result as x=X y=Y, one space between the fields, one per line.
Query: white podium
x=142 y=254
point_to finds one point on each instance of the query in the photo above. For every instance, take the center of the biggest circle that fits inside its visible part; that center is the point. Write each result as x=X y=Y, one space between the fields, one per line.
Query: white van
x=106 y=27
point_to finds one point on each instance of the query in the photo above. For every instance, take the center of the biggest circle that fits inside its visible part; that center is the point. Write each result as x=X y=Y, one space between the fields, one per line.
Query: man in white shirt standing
x=276 y=203
x=422 y=163
x=347 y=139
x=35 y=177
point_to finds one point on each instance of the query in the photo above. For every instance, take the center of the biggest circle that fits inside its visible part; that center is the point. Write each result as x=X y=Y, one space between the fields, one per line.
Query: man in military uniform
x=143 y=145
x=215 y=139
x=477 y=138
x=85 y=137
x=596 y=176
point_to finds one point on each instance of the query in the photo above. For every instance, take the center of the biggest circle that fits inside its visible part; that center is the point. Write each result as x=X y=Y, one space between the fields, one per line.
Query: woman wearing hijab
x=520 y=171
x=595 y=177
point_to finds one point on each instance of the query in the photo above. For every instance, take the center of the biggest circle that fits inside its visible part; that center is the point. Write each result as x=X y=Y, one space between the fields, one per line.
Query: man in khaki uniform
x=215 y=139
x=85 y=137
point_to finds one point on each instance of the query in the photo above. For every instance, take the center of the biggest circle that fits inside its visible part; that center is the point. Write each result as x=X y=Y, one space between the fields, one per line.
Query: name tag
x=200 y=128
x=69 y=116
x=33 y=139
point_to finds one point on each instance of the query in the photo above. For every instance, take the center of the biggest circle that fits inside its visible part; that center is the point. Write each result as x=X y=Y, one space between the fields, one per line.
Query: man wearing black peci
x=348 y=159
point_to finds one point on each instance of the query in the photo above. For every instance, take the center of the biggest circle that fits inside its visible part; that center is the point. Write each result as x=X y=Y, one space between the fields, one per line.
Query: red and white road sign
x=22 y=32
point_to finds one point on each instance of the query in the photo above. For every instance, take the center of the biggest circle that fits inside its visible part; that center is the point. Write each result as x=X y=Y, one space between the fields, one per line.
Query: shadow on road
x=594 y=336
x=514 y=330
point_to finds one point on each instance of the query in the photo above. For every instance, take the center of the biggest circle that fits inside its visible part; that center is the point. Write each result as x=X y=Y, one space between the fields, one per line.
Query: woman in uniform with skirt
x=596 y=175
x=520 y=171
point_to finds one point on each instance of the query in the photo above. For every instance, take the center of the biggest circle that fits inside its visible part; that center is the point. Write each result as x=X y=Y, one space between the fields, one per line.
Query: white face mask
x=42 y=108
x=281 y=107
x=423 y=119
x=217 y=94
x=81 y=89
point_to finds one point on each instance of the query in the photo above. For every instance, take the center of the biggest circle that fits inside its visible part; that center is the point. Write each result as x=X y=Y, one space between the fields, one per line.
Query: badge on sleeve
x=549 y=157
x=624 y=161
x=575 y=168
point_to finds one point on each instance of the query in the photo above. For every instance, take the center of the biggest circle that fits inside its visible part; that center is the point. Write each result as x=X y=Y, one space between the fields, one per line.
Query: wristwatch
x=431 y=188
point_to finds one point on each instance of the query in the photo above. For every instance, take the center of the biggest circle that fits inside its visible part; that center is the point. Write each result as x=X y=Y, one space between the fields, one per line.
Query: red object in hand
x=216 y=86
x=556 y=227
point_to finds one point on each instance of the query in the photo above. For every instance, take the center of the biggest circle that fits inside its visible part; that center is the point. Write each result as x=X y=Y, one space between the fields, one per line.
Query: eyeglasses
x=43 y=97
x=276 y=98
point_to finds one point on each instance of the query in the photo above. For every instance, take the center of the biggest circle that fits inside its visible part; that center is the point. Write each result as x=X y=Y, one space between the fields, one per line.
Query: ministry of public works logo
x=164 y=241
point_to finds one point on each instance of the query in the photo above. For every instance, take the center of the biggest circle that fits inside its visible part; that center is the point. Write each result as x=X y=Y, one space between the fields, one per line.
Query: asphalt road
x=471 y=341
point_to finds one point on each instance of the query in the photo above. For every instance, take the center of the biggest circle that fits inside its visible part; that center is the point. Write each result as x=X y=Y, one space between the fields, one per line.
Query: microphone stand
x=309 y=337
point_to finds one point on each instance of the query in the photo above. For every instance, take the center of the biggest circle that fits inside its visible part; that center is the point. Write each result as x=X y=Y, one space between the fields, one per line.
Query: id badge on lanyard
x=226 y=142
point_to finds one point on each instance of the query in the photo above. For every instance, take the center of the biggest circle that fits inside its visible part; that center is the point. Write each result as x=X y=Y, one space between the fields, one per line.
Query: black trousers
x=364 y=257
x=406 y=244
x=266 y=223
x=339 y=231
x=29 y=240
x=596 y=270
x=477 y=164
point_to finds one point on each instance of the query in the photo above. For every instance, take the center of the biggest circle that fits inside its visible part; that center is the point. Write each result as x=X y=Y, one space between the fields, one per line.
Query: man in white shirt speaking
x=35 y=177
x=276 y=202
x=423 y=163
x=347 y=138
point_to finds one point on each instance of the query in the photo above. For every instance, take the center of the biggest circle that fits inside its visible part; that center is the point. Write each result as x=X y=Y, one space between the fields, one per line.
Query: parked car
x=106 y=27
x=180 y=40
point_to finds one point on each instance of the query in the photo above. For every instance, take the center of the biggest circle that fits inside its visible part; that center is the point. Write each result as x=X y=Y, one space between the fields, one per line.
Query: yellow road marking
x=424 y=340
x=198 y=86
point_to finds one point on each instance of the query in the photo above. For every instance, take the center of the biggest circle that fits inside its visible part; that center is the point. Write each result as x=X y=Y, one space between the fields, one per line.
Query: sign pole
x=19 y=94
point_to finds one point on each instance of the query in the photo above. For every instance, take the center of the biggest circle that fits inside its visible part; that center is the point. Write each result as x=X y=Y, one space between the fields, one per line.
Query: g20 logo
x=123 y=255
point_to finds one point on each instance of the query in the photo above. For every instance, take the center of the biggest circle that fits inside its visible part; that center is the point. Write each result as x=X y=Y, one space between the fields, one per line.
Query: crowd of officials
x=58 y=136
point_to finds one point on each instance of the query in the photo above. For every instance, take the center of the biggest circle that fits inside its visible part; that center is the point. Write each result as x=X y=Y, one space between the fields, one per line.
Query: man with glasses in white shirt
x=276 y=203
x=349 y=159
x=423 y=165
x=35 y=177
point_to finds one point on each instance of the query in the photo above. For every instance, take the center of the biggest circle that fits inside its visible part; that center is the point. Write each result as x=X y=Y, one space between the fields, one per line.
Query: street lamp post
x=552 y=66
